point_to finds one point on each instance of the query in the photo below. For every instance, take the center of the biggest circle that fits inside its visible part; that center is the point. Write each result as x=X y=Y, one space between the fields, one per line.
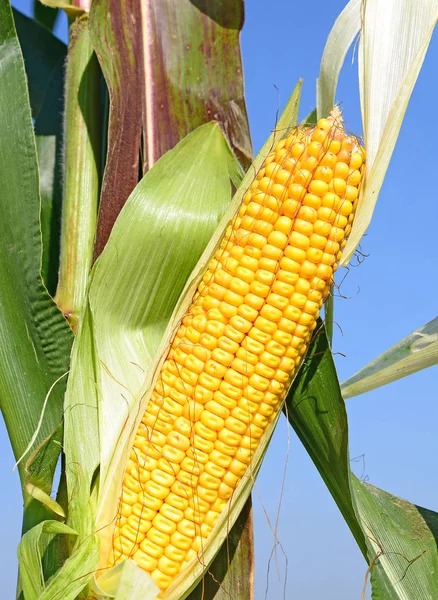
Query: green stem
x=329 y=315
x=82 y=167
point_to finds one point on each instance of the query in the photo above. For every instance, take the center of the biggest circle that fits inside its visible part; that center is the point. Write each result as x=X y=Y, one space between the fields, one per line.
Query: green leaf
x=402 y=543
x=397 y=538
x=316 y=411
x=44 y=58
x=417 y=351
x=153 y=56
x=45 y=14
x=34 y=336
x=31 y=551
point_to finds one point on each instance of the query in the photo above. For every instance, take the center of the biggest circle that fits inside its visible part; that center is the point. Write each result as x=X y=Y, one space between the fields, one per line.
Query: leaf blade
x=417 y=351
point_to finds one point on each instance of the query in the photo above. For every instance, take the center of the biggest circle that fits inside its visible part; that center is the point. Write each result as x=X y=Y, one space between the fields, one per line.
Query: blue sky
x=392 y=293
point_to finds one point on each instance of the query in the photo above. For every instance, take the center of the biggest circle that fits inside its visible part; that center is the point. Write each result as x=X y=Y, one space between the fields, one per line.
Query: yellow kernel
x=259 y=289
x=302 y=176
x=162 y=478
x=317 y=187
x=142 y=523
x=144 y=561
x=225 y=491
x=297 y=149
x=181 y=541
x=295 y=254
x=341 y=170
x=192 y=410
x=249 y=443
x=327 y=214
x=299 y=240
x=277 y=300
x=187 y=528
x=209 y=481
x=254 y=431
x=356 y=160
x=314 y=149
x=314 y=255
x=163 y=524
x=175 y=553
x=264 y=276
x=208 y=495
x=230 y=479
x=240 y=324
x=161 y=579
x=323 y=173
x=178 y=440
x=230 y=390
x=278 y=239
x=312 y=201
x=319 y=135
x=324 y=272
x=303 y=227
x=344 y=156
x=212 y=421
x=324 y=124
x=346 y=208
x=354 y=177
x=290 y=208
x=158 y=537
x=156 y=490
x=209 y=381
x=278 y=190
x=351 y=193
x=205 y=432
x=331 y=200
x=338 y=186
x=322 y=228
x=223 y=399
x=172 y=454
x=254 y=301
x=296 y=192
x=177 y=501
x=329 y=159
x=214 y=470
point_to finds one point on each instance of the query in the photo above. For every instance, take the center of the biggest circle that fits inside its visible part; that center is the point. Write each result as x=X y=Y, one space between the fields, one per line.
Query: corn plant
x=161 y=291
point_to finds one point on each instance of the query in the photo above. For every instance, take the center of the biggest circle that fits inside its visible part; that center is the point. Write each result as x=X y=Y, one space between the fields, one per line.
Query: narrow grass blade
x=417 y=351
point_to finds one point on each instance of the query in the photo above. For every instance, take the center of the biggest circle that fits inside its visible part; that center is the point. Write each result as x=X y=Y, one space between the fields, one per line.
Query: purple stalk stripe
x=170 y=66
x=120 y=56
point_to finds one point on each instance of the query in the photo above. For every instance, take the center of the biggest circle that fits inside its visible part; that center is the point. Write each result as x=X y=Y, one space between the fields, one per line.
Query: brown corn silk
x=238 y=348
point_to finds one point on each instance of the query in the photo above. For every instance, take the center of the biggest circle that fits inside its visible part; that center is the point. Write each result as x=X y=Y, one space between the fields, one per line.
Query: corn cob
x=235 y=354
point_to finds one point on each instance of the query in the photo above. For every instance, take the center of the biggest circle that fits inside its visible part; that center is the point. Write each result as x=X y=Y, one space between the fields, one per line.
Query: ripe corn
x=234 y=356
